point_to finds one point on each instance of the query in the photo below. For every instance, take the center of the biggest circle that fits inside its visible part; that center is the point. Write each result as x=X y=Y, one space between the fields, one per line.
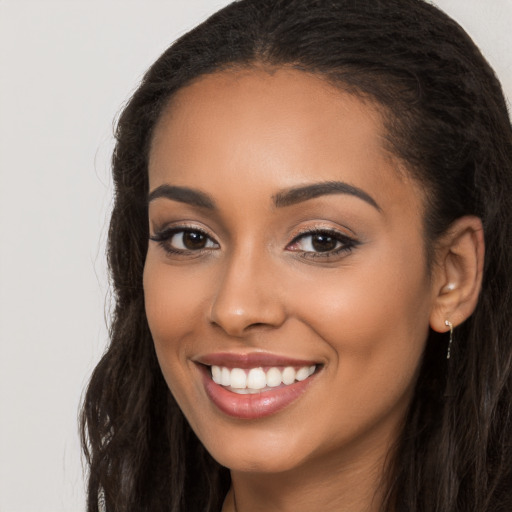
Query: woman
x=310 y=252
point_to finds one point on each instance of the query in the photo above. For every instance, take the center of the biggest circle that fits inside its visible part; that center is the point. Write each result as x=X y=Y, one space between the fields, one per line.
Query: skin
x=241 y=137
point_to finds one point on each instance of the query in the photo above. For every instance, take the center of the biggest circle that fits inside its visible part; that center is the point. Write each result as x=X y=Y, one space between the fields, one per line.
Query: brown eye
x=323 y=242
x=194 y=240
x=183 y=240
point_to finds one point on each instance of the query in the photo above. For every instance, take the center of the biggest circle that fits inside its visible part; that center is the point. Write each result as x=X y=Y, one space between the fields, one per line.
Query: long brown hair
x=447 y=120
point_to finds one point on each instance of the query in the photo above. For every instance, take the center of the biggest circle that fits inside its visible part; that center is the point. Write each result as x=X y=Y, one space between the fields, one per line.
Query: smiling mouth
x=246 y=381
x=255 y=385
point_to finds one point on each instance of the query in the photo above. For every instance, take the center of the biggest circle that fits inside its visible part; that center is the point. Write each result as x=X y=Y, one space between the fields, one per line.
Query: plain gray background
x=66 y=68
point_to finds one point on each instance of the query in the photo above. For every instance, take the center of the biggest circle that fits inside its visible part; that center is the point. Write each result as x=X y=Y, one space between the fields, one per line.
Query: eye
x=191 y=240
x=179 y=240
x=322 y=243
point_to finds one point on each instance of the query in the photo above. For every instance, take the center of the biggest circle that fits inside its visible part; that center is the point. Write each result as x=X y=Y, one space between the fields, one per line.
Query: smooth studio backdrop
x=66 y=68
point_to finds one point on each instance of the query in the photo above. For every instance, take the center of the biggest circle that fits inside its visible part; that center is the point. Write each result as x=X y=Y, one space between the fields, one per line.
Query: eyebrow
x=299 y=194
x=282 y=199
x=183 y=195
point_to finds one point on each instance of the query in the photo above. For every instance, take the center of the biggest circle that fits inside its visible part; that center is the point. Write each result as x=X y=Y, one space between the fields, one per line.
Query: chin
x=259 y=461
x=256 y=449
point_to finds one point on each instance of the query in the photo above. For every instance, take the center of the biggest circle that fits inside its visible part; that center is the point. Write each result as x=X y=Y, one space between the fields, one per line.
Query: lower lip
x=252 y=406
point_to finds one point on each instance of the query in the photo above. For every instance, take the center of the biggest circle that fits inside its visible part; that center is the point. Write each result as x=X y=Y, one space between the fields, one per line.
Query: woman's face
x=287 y=259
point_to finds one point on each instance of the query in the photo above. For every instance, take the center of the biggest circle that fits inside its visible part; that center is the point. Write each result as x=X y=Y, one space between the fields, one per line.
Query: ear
x=457 y=273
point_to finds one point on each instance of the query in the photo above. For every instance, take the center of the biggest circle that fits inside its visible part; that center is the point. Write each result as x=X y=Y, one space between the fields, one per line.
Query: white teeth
x=256 y=379
x=274 y=378
x=216 y=374
x=302 y=374
x=253 y=380
x=238 y=378
x=288 y=375
x=225 y=378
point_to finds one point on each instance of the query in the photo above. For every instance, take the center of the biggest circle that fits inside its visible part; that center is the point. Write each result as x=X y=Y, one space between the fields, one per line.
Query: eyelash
x=346 y=243
x=164 y=238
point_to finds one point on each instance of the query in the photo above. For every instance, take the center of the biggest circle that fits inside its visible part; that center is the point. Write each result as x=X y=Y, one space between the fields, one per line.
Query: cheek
x=374 y=317
x=173 y=302
x=172 y=298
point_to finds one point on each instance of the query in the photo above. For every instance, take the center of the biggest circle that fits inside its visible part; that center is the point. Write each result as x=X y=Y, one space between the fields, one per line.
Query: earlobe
x=457 y=274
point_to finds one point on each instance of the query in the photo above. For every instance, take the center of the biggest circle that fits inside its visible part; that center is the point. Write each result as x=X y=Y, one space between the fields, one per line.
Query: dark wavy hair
x=447 y=121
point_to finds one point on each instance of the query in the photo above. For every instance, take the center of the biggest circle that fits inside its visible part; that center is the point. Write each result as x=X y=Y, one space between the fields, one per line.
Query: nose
x=248 y=296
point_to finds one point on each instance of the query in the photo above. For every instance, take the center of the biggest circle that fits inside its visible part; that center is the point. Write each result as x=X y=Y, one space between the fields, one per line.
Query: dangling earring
x=449 y=324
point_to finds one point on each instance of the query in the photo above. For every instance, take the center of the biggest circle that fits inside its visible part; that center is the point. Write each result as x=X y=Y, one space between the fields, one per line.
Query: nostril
x=257 y=325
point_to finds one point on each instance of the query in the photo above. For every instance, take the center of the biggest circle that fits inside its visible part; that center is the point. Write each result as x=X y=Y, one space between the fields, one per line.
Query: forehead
x=271 y=100
x=279 y=128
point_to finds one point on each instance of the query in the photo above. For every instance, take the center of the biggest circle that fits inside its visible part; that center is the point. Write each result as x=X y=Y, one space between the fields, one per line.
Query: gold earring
x=449 y=324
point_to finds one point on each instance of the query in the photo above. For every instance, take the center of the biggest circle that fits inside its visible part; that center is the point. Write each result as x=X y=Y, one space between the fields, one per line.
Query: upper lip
x=250 y=360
